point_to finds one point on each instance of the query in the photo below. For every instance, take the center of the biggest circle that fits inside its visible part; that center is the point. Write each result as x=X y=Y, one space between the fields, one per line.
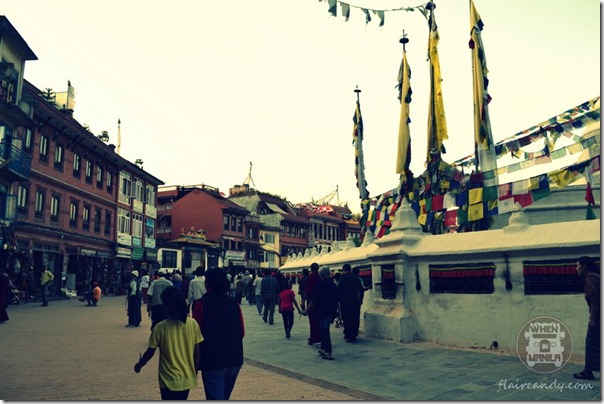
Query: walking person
x=590 y=272
x=301 y=287
x=287 y=302
x=323 y=303
x=145 y=283
x=45 y=278
x=270 y=291
x=5 y=286
x=313 y=279
x=197 y=286
x=239 y=288
x=177 y=338
x=221 y=322
x=257 y=286
x=134 y=300
x=155 y=306
x=350 y=297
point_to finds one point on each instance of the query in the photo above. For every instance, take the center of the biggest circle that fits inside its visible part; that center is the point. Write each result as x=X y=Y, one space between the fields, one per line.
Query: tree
x=49 y=95
x=104 y=136
x=139 y=163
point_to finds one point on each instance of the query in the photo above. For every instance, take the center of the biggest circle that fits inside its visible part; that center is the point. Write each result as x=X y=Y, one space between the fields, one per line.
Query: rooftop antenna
x=249 y=178
x=119 y=135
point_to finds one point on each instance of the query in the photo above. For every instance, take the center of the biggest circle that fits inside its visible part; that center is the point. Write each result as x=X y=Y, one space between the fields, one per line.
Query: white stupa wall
x=466 y=320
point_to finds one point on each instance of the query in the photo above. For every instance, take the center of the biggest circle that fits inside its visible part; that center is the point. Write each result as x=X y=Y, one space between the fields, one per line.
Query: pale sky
x=202 y=88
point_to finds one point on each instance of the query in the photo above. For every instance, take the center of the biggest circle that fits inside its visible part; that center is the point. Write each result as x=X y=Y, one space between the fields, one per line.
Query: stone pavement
x=68 y=351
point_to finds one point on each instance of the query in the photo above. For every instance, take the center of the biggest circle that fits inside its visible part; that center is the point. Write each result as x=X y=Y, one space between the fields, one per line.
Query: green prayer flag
x=590 y=213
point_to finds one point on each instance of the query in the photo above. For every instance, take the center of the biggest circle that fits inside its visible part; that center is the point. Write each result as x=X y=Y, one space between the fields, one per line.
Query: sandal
x=584 y=375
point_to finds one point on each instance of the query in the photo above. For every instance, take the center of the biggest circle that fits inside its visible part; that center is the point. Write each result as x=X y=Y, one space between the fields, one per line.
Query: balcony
x=15 y=164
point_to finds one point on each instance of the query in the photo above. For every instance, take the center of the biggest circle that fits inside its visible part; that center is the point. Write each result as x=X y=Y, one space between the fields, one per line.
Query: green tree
x=139 y=163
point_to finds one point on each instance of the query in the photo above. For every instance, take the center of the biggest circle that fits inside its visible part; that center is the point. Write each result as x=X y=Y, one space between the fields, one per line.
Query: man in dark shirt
x=350 y=296
x=269 y=291
x=587 y=268
x=323 y=304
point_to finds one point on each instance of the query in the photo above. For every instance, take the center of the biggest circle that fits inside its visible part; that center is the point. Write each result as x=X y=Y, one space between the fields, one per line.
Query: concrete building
x=232 y=235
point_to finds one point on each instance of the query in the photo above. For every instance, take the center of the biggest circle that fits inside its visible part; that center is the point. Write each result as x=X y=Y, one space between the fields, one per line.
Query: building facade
x=15 y=122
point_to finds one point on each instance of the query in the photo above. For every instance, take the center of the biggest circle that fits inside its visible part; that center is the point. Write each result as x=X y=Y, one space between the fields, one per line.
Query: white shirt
x=258 y=285
x=197 y=288
x=145 y=281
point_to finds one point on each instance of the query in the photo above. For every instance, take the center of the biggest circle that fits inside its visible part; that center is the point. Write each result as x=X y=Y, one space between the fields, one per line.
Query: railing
x=17 y=161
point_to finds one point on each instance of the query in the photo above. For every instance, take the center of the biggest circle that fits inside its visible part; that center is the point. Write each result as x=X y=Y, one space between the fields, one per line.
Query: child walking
x=177 y=338
x=287 y=302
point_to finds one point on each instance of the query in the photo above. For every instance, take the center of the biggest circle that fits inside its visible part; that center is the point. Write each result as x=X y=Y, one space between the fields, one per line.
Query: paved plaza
x=68 y=351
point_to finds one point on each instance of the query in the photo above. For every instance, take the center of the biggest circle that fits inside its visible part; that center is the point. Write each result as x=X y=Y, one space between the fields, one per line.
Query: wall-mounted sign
x=124 y=239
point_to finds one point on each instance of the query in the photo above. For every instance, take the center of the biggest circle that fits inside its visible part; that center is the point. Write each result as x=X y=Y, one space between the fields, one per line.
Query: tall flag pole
x=437 y=124
x=486 y=159
x=403 y=157
x=359 y=163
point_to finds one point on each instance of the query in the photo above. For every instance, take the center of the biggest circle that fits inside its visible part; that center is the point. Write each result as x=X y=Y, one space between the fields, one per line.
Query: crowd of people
x=198 y=326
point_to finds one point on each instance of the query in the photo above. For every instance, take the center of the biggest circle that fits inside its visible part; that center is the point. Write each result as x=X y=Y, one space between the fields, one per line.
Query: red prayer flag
x=589 y=196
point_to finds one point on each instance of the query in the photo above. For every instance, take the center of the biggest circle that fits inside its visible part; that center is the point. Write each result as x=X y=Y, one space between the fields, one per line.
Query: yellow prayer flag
x=403 y=155
x=422 y=218
x=475 y=212
x=561 y=177
x=475 y=195
x=437 y=123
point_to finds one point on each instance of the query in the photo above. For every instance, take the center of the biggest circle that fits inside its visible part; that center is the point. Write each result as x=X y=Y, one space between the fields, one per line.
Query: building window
x=54 y=209
x=123 y=221
x=59 y=157
x=89 y=167
x=137 y=225
x=27 y=141
x=77 y=165
x=168 y=259
x=86 y=218
x=125 y=194
x=99 y=177
x=107 y=222
x=225 y=221
x=43 y=148
x=39 y=205
x=138 y=190
x=73 y=214
x=109 y=181
x=97 y=220
x=22 y=199
x=150 y=195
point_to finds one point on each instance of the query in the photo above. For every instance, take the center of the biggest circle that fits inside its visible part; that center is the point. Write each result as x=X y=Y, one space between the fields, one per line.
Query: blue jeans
x=219 y=383
x=258 y=299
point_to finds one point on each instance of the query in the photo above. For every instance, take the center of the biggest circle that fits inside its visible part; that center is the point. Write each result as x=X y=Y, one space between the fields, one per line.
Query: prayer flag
x=487 y=160
x=437 y=124
x=589 y=196
x=403 y=157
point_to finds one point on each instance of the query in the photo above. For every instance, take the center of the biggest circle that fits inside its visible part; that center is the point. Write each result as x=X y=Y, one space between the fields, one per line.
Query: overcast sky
x=202 y=88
